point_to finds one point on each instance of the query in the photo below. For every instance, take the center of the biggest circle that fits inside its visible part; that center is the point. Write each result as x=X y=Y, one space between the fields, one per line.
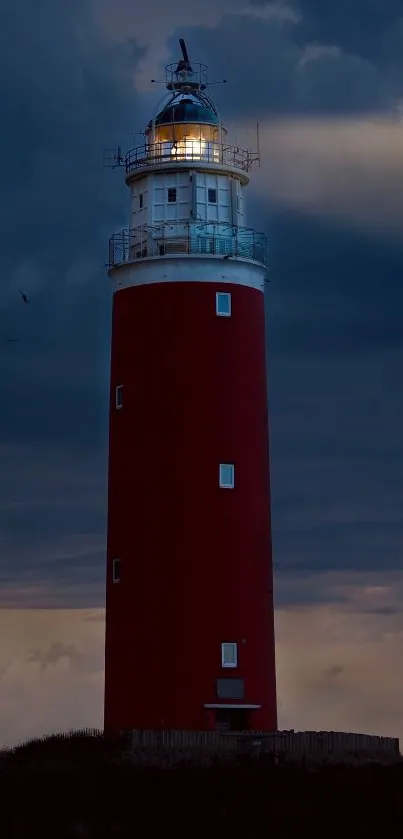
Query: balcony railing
x=195 y=238
x=159 y=154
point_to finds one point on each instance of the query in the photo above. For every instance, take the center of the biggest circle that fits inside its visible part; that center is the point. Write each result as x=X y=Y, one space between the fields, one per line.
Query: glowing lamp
x=189 y=148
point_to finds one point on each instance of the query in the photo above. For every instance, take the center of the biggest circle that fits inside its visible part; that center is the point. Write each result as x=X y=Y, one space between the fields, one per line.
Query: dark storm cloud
x=369 y=28
x=331 y=288
x=56 y=372
x=276 y=65
x=65 y=97
x=337 y=453
x=52 y=524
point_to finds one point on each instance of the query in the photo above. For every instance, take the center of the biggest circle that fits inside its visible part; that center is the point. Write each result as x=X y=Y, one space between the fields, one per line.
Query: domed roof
x=186 y=110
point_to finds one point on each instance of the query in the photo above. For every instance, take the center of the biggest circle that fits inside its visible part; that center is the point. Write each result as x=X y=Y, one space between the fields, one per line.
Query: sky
x=325 y=82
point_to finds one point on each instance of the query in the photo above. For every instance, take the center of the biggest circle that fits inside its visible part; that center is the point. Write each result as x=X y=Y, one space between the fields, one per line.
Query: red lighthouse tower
x=189 y=592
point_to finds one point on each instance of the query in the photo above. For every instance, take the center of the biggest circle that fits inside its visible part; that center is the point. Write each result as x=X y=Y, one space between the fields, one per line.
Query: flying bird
x=23 y=295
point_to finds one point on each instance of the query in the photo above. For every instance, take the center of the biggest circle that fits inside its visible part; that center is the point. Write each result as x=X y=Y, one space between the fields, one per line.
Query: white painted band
x=186 y=165
x=202 y=269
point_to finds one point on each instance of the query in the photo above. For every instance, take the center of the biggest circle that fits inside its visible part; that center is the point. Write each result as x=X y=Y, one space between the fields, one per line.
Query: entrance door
x=232 y=719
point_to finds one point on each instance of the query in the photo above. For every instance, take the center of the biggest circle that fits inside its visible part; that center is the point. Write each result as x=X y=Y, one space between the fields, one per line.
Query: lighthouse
x=189 y=583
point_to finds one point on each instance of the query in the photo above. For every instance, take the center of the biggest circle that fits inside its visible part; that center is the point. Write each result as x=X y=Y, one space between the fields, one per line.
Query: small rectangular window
x=116 y=570
x=212 y=196
x=223 y=304
x=119 y=397
x=141 y=200
x=230 y=689
x=227 y=475
x=172 y=195
x=229 y=654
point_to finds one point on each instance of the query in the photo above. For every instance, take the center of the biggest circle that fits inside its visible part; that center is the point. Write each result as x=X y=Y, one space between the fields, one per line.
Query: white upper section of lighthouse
x=188 y=129
x=187 y=183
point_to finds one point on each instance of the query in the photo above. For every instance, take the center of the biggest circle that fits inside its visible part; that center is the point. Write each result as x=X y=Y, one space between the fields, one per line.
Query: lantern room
x=188 y=127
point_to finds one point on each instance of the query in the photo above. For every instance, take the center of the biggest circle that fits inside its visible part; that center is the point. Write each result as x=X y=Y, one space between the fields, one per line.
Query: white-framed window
x=172 y=195
x=229 y=654
x=227 y=476
x=223 y=304
x=116 y=571
x=212 y=196
x=119 y=397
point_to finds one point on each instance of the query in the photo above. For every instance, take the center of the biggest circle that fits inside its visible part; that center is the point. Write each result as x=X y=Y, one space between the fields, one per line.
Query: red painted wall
x=196 y=564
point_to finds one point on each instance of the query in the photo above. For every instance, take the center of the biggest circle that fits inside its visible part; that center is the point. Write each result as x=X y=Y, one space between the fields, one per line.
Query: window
x=223 y=304
x=116 y=570
x=229 y=654
x=119 y=397
x=226 y=475
x=172 y=195
x=212 y=196
x=141 y=200
x=230 y=689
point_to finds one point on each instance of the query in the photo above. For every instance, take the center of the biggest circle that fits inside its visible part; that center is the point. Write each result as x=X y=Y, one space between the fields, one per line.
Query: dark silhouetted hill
x=81 y=786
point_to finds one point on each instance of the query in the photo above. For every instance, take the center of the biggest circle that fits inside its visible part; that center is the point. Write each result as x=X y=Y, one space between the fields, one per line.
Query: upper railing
x=159 y=154
x=189 y=77
x=194 y=238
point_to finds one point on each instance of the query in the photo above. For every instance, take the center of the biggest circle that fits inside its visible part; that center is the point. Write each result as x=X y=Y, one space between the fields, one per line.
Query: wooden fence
x=293 y=743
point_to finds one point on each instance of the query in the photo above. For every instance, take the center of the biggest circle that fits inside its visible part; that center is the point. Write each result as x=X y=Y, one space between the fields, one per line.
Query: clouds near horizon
x=333 y=662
